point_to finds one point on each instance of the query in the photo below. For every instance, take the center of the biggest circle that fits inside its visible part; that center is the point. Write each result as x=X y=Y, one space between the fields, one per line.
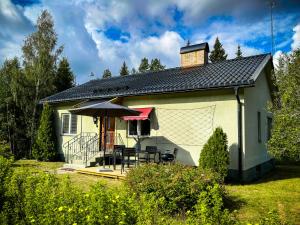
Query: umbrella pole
x=100 y=133
x=105 y=131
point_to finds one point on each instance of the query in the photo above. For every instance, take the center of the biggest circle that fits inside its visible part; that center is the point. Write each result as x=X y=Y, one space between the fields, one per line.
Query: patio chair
x=152 y=151
x=168 y=156
x=117 y=153
x=128 y=157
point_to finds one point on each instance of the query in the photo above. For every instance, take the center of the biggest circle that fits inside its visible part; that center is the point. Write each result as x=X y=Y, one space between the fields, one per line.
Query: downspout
x=240 y=137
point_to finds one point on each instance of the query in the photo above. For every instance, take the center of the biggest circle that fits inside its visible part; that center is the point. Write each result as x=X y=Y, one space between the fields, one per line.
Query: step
x=74 y=166
x=113 y=175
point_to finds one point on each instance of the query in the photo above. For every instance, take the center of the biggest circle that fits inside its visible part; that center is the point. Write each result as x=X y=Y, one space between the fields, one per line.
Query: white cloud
x=296 y=37
x=276 y=58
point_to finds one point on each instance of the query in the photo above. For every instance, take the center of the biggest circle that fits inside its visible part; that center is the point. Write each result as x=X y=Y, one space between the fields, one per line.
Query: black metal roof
x=224 y=74
x=191 y=48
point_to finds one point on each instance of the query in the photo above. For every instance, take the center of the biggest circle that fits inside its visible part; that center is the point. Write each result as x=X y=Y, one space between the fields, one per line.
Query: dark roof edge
x=190 y=48
x=251 y=84
x=261 y=67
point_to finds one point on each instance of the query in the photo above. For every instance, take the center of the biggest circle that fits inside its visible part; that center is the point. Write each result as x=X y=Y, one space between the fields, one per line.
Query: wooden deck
x=115 y=174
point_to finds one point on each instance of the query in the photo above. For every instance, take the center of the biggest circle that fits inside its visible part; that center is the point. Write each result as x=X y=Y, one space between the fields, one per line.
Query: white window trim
x=138 y=130
x=70 y=120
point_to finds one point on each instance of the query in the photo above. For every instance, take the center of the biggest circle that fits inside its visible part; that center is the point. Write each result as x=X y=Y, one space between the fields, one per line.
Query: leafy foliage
x=218 y=53
x=106 y=74
x=144 y=65
x=177 y=186
x=284 y=143
x=64 y=78
x=156 y=65
x=239 y=53
x=45 y=145
x=124 y=70
x=214 y=155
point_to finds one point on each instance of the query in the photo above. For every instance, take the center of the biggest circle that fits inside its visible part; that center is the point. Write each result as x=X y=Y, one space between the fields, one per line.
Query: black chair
x=128 y=157
x=168 y=157
x=118 y=151
x=152 y=151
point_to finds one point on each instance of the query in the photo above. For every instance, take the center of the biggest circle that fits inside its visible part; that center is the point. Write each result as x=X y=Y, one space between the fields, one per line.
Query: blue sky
x=101 y=34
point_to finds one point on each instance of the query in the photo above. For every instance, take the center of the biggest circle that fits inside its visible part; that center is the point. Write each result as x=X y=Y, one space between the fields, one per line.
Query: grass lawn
x=280 y=190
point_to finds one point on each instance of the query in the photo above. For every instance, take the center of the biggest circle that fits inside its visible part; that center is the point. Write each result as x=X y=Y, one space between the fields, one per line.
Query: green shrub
x=5 y=150
x=178 y=185
x=210 y=208
x=45 y=143
x=5 y=171
x=214 y=155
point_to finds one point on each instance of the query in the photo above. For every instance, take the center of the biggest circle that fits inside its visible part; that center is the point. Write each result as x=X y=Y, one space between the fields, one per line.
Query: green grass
x=280 y=190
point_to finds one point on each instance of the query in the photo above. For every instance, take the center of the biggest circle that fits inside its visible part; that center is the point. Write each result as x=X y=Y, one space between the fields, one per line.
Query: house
x=180 y=108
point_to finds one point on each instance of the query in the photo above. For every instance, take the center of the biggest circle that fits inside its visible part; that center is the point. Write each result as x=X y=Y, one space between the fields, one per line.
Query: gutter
x=240 y=137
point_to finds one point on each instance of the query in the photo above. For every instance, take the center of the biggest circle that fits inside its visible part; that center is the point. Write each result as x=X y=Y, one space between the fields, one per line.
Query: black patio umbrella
x=103 y=109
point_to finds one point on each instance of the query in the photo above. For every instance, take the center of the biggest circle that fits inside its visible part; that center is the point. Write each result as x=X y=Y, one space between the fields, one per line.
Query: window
x=69 y=124
x=270 y=124
x=258 y=127
x=139 y=127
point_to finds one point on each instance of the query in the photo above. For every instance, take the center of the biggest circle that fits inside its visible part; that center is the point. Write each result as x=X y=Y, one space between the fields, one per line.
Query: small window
x=259 y=127
x=139 y=127
x=69 y=124
x=270 y=124
x=132 y=127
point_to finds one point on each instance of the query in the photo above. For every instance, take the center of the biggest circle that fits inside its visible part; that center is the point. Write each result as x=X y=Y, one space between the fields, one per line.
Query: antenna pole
x=272 y=5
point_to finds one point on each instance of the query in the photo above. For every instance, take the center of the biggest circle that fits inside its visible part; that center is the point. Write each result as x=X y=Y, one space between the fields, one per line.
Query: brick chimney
x=194 y=55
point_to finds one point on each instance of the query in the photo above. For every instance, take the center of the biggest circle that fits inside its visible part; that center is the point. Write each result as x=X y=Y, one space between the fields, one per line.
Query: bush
x=210 y=208
x=214 y=155
x=177 y=186
x=5 y=171
x=5 y=150
x=45 y=143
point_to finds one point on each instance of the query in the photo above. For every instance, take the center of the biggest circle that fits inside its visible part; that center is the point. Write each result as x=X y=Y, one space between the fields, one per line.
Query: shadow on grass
x=233 y=203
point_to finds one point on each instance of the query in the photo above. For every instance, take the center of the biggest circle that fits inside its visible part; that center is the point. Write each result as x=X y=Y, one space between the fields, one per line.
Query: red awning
x=143 y=116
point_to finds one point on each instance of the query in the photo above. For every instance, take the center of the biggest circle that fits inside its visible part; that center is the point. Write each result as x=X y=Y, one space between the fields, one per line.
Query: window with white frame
x=69 y=123
x=139 y=127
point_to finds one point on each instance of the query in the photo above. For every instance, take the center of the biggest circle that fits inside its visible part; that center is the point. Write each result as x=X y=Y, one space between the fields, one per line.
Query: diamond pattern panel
x=185 y=126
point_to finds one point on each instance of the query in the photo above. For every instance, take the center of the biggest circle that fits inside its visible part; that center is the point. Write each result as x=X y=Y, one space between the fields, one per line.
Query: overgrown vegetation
x=214 y=155
x=284 y=143
x=45 y=144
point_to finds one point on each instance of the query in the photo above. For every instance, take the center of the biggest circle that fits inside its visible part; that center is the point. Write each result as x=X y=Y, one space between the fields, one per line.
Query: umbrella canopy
x=104 y=109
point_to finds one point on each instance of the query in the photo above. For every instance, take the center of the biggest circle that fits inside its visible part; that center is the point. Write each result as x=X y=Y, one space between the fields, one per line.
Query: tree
x=156 y=65
x=40 y=59
x=64 y=78
x=214 y=155
x=284 y=143
x=133 y=71
x=239 y=53
x=144 y=65
x=218 y=53
x=106 y=74
x=124 y=70
x=45 y=143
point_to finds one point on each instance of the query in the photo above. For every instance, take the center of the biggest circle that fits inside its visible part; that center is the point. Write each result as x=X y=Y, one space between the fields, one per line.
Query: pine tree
x=144 y=65
x=124 y=70
x=64 y=76
x=106 y=74
x=133 y=71
x=239 y=53
x=156 y=65
x=45 y=144
x=218 y=54
x=214 y=155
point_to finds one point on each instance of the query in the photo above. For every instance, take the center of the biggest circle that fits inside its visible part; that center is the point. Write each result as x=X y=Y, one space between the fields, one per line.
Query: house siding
x=256 y=100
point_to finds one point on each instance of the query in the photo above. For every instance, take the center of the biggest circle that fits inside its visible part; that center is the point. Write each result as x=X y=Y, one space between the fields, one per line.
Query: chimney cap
x=191 y=48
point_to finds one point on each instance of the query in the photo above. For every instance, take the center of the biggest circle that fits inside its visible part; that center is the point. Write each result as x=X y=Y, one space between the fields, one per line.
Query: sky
x=101 y=34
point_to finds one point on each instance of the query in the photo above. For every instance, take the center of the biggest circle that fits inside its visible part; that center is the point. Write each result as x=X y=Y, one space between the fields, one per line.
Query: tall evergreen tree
x=218 y=53
x=284 y=143
x=239 y=53
x=133 y=71
x=156 y=65
x=124 y=70
x=106 y=74
x=64 y=78
x=45 y=144
x=144 y=65
x=40 y=59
